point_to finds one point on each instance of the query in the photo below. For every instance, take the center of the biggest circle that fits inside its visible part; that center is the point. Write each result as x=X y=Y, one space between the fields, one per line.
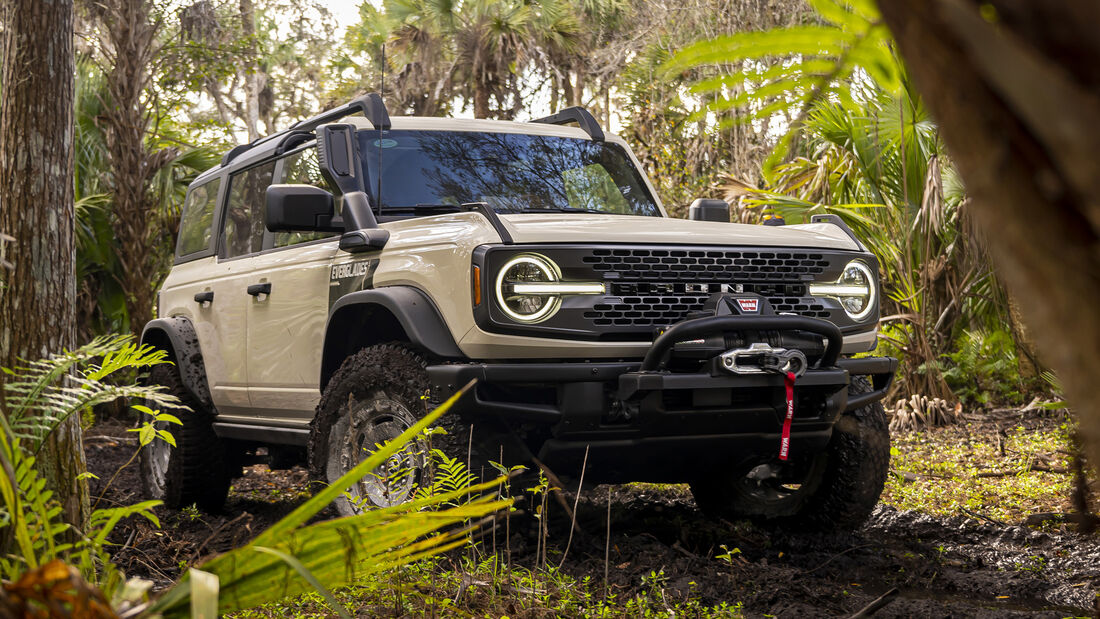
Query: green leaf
x=169 y=418
x=167 y=437
x=146 y=434
x=310 y=578
x=141 y=408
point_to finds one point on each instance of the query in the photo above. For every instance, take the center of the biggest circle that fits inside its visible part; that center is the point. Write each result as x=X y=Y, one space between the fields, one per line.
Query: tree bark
x=37 y=304
x=1014 y=86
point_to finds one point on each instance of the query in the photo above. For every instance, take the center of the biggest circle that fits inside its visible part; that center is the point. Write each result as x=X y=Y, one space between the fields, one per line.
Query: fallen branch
x=877 y=604
x=1039 y=518
x=98 y=438
x=982 y=517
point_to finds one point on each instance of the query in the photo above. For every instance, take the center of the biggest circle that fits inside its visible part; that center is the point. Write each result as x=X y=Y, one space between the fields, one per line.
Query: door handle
x=258 y=289
x=204 y=297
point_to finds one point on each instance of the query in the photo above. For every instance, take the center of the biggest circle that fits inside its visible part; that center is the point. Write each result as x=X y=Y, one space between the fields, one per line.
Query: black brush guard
x=645 y=422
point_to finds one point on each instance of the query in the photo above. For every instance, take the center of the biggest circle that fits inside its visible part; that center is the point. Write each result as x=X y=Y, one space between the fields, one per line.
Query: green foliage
x=35 y=400
x=488 y=588
x=38 y=397
x=289 y=559
x=449 y=476
x=787 y=70
x=983 y=369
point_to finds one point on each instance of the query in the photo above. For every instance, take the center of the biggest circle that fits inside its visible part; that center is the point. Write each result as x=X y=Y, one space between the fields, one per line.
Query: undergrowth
x=444 y=587
x=978 y=472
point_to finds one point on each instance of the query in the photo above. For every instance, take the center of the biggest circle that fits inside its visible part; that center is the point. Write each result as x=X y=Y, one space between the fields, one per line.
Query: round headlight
x=855 y=289
x=527 y=269
x=859 y=277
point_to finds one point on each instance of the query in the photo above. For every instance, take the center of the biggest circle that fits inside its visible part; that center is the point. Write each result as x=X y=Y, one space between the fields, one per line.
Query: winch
x=762 y=358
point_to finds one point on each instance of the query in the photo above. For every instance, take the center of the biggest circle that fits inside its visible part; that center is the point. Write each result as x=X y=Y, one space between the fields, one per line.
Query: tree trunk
x=578 y=91
x=481 y=101
x=129 y=47
x=1014 y=88
x=37 y=305
x=254 y=80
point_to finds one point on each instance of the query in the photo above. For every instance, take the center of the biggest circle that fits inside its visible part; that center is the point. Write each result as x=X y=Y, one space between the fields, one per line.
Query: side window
x=244 y=213
x=197 y=219
x=302 y=168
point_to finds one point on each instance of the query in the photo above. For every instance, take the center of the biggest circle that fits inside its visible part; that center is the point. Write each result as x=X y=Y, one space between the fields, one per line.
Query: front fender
x=412 y=311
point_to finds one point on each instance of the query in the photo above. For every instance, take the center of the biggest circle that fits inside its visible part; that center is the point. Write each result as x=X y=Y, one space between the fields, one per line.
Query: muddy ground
x=957 y=566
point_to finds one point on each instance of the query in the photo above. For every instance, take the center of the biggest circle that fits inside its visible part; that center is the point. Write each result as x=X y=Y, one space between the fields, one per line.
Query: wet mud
x=941 y=567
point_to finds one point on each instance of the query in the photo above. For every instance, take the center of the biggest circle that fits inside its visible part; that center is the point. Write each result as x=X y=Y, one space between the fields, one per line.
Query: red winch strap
x=785 y=441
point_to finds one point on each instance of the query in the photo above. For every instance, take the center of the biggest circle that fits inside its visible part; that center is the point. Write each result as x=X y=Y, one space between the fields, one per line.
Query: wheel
x=838 y=491
x=372 y=398
x=193 y=472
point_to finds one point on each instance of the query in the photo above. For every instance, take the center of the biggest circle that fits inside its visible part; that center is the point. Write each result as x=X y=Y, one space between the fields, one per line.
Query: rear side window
x=244 y=213
x=197 y=219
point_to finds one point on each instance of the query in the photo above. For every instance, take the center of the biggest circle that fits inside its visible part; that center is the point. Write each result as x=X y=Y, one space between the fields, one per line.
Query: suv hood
x=596 y=228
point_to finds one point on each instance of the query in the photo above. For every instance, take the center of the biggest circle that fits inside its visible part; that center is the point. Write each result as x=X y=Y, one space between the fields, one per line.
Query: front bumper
x=641 y=421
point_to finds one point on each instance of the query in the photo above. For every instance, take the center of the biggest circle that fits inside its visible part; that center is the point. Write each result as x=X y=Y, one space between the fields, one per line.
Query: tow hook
x=763 y=472
x=761 y=358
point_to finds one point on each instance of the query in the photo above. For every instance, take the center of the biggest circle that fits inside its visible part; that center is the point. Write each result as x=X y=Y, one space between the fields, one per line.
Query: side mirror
x=300 y=208
x=705 y=209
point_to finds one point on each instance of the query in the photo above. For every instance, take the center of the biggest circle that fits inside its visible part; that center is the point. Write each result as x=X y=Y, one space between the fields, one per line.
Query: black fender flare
x=415 y=312
x=181 y=334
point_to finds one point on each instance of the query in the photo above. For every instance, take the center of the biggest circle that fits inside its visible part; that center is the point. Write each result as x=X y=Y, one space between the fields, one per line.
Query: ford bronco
x=334 y=280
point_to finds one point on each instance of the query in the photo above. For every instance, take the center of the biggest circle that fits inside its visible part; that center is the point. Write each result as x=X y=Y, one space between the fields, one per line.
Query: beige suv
x=332 y=280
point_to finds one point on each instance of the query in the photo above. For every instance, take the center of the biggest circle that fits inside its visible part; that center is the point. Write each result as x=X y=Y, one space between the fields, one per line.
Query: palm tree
x=490 y=40
x=101 y=294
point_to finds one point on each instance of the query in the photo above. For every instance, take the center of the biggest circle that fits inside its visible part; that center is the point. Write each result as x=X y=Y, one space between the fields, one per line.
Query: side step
x=263 y=434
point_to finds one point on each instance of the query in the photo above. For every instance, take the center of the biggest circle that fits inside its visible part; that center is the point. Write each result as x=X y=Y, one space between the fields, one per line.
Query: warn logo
x=749 y=306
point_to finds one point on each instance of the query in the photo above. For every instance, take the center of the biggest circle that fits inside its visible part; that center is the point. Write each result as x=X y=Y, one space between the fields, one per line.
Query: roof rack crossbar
x=370 y=105
x=578 y=115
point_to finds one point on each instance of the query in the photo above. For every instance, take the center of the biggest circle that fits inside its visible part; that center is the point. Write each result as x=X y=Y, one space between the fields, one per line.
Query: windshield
x=513 y=173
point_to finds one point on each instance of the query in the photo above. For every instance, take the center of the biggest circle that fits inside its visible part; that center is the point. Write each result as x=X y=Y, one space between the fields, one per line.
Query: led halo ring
x=840 y=290
x=548 y=269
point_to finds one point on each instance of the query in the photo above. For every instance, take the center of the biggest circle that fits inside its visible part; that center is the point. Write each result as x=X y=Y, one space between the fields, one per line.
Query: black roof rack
x=370 y=105
x=577 y=115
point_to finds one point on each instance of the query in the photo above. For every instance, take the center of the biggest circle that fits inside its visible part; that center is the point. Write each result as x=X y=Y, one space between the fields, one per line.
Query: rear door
x=286 y=328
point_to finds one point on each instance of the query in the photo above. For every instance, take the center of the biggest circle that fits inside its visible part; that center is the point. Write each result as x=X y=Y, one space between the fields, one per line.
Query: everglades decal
x=350 y=277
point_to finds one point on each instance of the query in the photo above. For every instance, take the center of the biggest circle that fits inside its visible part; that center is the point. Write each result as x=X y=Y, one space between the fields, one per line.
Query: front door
x=286 y=328
x=234 y=291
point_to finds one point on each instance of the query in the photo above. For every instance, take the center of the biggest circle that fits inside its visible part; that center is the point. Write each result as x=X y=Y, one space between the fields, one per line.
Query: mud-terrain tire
x=194 y=471
x=840 y=490
x=375 y=395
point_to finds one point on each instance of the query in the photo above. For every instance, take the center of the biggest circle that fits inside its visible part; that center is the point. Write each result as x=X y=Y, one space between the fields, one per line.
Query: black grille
x=713 y=264
x=659 y=287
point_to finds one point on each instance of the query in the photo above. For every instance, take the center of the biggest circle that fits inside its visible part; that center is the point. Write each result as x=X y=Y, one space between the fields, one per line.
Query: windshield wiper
x=564 y=209
x=424 y=208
